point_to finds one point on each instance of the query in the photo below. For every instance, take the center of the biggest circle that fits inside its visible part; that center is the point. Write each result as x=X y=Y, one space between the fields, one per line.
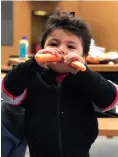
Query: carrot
x=43 y=58
x=78 y=65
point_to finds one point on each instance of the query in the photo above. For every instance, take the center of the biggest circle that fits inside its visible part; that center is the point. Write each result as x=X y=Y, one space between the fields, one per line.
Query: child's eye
x=71 y=47
x=53 y=44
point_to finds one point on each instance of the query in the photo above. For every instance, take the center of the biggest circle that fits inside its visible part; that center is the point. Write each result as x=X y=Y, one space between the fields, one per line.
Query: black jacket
x=60 y=119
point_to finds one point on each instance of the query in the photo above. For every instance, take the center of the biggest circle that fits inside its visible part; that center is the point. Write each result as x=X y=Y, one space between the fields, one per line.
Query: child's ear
x=84 y=57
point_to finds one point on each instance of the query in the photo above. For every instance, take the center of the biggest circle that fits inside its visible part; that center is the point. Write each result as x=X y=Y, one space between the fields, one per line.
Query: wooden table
x=93 y=67
x=108 y=126
x=103 y=67
x=15 y=61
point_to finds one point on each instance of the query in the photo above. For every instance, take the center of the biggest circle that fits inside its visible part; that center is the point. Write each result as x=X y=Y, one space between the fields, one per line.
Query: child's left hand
x=73 y=57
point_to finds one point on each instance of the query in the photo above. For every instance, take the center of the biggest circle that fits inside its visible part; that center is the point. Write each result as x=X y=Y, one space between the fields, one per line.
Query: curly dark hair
x=73 y=24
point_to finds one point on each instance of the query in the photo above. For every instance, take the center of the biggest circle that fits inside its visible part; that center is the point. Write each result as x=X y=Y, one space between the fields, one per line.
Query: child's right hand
x=53 y=51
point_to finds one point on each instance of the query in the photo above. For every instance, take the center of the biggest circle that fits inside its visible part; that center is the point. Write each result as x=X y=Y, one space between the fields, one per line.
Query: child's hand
x=53 y=51
x=71 y=57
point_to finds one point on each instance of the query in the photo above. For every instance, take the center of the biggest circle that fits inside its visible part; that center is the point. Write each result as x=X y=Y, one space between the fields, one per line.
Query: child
x=60 y=120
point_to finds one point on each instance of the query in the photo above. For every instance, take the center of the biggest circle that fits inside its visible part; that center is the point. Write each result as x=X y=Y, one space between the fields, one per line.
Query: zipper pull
x=58 y=88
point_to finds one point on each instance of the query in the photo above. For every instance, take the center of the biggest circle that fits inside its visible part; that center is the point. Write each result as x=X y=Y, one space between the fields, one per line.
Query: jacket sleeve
x=15 y=84
x=103 y=92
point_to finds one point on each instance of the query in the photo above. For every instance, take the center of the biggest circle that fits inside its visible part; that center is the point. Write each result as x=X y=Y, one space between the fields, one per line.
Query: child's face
x=67 y=42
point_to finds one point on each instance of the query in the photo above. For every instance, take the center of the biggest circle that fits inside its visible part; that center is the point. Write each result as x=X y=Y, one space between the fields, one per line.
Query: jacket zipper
x=58 y=88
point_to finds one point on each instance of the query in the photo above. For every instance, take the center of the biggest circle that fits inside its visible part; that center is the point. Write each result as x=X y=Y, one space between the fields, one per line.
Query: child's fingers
x=69 y=59
x=53 y=51
x=73 y=57
x=75 y=62
x=57 y=50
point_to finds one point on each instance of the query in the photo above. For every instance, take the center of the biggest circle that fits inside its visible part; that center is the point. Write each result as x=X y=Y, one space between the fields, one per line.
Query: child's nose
x=63 y=50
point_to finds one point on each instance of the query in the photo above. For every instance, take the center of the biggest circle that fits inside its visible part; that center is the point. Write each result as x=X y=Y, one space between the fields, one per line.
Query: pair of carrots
x=43 y=58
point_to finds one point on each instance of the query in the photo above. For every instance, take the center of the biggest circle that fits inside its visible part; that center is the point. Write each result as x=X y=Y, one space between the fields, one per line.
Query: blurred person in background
x=13 y=142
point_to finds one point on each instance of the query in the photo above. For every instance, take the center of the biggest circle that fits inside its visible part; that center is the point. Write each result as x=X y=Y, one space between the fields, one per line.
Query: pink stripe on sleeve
x=114 y=103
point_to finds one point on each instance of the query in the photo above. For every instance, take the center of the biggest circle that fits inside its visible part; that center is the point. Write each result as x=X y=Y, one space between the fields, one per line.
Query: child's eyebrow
x=53 y=39
x=71 y=42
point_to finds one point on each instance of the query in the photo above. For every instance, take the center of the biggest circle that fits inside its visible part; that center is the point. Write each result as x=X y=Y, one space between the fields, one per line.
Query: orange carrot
x=78 y=65
x=43 y=58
